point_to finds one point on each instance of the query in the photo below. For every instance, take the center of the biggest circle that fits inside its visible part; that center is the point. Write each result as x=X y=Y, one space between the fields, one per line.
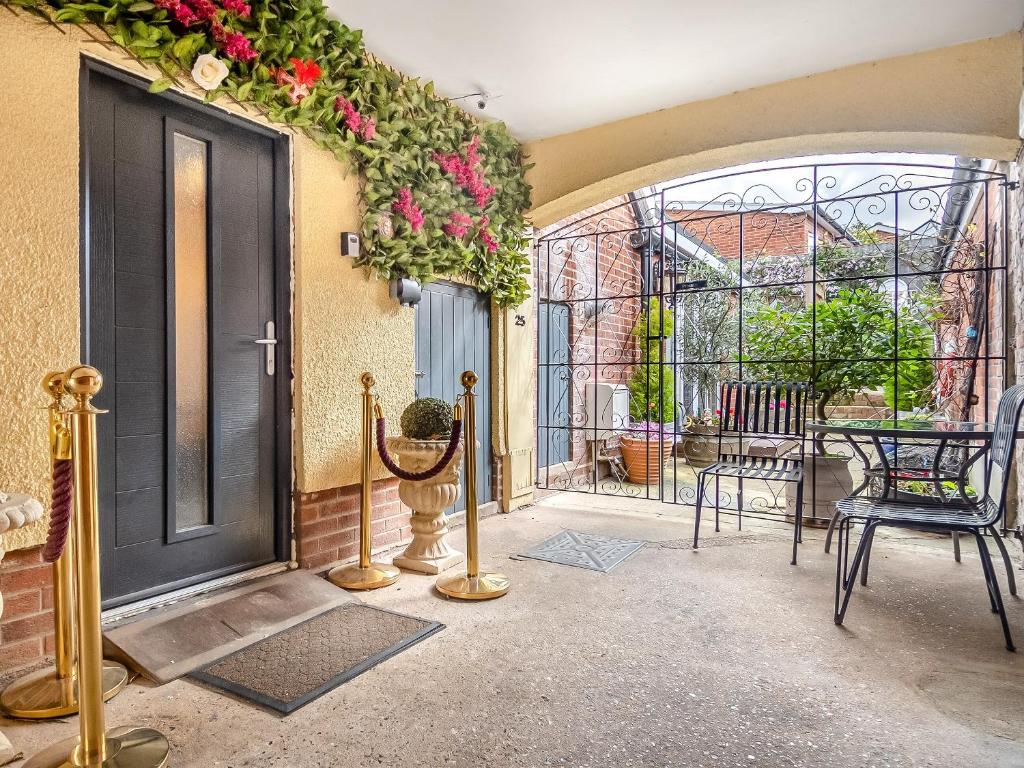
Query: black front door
x=453 y=334
x=180 y=283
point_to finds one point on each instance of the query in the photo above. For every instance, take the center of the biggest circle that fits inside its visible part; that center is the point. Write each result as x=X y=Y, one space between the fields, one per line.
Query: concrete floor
x=726 y=656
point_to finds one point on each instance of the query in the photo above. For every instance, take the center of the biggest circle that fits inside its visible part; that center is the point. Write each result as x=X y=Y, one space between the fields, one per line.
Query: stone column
x=16 y=511
x=429 y=551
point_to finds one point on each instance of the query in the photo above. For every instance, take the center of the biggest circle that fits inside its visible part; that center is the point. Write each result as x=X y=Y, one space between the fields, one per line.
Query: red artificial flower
x=306 y=72
x=239 y=7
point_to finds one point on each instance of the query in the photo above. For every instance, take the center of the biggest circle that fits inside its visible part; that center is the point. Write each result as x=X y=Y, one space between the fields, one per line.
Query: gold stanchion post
x=366 y=574
x=94 y=747
x=53 y=691
x=473 y=585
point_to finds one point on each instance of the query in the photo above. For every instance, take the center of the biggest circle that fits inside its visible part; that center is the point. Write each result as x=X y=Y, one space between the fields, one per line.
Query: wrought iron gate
x=881 y=285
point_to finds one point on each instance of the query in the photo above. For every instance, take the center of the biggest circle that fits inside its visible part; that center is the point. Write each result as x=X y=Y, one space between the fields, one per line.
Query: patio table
x=961 y=434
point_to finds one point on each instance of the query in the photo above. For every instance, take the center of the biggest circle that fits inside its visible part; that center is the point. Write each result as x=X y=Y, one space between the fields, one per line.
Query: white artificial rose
x=209 y=71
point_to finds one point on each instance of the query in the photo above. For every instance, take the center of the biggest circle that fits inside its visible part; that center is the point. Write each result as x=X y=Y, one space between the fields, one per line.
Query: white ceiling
x=555 y=66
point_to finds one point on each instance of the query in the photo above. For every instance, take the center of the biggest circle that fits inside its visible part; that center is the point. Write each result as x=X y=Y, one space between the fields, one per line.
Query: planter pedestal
x=429 y=551
x=16 y=511
x=832 y=481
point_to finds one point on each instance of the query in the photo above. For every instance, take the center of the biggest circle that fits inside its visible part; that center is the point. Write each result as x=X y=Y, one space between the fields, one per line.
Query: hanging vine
x=443 y=195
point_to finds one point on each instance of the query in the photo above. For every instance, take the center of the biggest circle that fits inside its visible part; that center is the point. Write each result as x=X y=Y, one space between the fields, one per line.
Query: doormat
x=584 y=550
x=296 y=666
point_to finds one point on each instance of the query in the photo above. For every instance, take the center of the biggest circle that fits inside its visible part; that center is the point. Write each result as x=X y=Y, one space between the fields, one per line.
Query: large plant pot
x=429 y=551
x=644 y=459
x=832 y=481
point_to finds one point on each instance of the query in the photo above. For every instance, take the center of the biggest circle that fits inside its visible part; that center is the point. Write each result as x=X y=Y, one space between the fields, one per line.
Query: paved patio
x=722 y=657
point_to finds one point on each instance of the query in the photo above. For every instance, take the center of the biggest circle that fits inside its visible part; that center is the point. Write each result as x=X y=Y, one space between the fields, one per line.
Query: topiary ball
x=427 y=419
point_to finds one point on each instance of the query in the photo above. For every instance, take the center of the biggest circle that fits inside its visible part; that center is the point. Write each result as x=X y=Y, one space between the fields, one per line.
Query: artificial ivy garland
x=442 y=194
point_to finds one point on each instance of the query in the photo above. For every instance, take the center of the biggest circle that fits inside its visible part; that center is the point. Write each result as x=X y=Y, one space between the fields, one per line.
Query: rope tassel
x=60 y=514
x=382 y=449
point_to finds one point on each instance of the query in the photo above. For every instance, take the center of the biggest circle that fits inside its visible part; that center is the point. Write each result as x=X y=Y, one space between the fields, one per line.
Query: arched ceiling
x=557 y=67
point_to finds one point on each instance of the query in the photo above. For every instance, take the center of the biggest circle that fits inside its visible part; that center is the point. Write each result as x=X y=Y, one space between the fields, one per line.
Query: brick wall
x=764 y=234
x=26 y=627
x=593 y=266
x=327 y=522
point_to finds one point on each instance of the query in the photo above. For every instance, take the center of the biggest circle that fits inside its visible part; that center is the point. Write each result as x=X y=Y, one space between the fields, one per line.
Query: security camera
x=481 y=104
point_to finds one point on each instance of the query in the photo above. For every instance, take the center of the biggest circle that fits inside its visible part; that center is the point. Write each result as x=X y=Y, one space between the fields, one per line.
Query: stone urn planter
x=644 y=459
x=429 y=551
x=832 y=481
x=16 y=511
x=699 y=445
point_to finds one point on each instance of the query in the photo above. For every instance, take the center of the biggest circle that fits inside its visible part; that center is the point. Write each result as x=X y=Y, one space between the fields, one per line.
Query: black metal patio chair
x=757 y=410
x=974 y=518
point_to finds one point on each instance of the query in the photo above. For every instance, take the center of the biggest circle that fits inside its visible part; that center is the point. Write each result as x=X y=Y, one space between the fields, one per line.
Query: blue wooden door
x=453 y=334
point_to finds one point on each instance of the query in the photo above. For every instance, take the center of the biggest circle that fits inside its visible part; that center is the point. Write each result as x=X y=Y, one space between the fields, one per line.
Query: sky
x=869 y=176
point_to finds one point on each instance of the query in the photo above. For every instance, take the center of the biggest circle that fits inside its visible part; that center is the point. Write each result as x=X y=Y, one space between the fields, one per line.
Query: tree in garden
x=651 y=388
x=707 y=329
x=854 y=340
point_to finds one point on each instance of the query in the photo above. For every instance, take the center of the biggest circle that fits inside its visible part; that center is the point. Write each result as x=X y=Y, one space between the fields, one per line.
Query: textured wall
x=344 y=322
x=959 y=100
x=38 y=245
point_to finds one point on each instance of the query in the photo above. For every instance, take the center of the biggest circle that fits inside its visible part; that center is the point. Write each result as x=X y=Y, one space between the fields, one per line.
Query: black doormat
x=290 y=669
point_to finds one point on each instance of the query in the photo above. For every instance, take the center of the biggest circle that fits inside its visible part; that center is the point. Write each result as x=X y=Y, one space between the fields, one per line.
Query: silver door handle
x=270 y=344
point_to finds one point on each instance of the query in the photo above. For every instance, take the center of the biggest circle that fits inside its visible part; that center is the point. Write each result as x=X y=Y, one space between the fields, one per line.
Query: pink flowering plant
x=454 y=188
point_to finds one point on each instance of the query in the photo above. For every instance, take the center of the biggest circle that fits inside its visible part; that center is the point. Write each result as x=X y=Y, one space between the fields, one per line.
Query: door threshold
x=159 y=601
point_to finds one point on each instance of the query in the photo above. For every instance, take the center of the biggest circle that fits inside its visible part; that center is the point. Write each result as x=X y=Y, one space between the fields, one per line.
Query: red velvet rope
x=426 y=474
x=60 y=514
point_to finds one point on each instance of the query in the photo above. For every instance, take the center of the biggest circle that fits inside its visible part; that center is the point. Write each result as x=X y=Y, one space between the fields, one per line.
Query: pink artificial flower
x=405 y=206
x=239 y=7
x=466 y=172
x=236 y=46
x=458 y=224
x=369 y=129
x=365 y=127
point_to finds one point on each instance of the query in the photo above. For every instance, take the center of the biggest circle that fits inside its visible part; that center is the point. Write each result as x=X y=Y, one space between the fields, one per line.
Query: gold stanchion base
x=484 y=586
x=127 y=747
x=40 y=695
x=353 y=577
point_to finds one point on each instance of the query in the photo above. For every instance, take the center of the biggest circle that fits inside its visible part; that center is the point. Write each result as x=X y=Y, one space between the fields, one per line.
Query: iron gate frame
x=819 y=184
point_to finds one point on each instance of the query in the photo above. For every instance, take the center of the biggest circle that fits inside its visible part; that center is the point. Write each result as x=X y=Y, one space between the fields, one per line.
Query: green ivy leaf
x=161 y=85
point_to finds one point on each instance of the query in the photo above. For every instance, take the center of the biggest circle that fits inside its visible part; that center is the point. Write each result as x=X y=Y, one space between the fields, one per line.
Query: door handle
x=270 y=345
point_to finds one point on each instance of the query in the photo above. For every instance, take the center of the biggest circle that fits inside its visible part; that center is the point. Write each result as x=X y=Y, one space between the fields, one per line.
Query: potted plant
x=426 y=438
x=699 y=445
x=652 y=406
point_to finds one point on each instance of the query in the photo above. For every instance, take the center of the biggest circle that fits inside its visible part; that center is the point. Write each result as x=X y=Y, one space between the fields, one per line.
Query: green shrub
x=427 y=419
x=649 y=378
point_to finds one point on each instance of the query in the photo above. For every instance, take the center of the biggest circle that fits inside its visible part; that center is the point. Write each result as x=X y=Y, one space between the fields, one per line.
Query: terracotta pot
x=644 y=459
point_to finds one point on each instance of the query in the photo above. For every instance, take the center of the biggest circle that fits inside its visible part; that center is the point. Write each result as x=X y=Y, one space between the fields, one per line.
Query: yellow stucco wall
x=960 y=100
x=342 y=320
x=344 y=324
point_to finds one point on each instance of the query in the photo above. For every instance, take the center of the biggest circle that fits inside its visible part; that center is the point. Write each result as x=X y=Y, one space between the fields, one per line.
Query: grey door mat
x=584 y=550
x=298 y=665
x=166 y=643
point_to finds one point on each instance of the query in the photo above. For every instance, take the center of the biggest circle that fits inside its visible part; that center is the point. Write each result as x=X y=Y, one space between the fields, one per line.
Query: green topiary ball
x=427 y=419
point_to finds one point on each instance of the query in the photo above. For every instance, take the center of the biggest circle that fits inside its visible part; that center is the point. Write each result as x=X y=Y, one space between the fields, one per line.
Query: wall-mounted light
x=350 y=244
x=406 y=291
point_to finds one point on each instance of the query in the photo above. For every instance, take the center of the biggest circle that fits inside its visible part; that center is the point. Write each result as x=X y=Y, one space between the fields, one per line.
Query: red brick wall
x=327 y=523
x=26 y=627
x=593 y=265
x=764 y=234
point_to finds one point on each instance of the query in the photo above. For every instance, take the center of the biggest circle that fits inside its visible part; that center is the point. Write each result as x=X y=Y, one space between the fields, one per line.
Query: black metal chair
x=975 y=518
x=753 y=410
